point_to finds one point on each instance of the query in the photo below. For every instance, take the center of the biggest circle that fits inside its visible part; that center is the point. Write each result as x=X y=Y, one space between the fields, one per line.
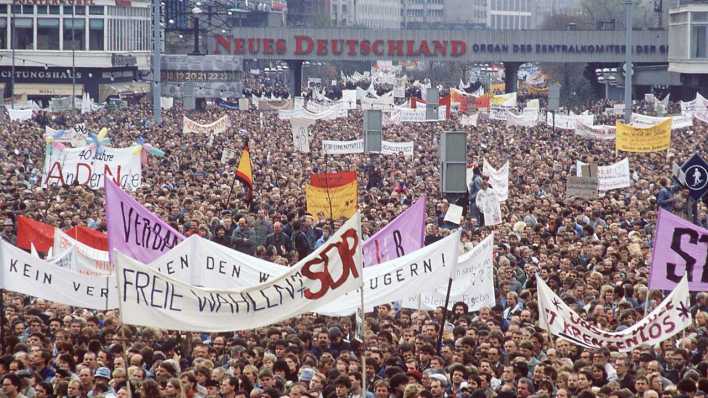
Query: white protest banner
x=201 y=262
x=228 y=154
x=394 y=280
x=488 y=202
x=699 y=104
x=349 y=99
x=677 y=121
x=570 y=121
x=301 y=134
x=22 y=273
x=454 y=214
x=666 y=320
x=86 y=260
x=153 y=299
x=582 y=187
x=418 y=115
x=613 y=176
x=526 y=119
x=498 y=113
x=330 y=147
x=217 y=127
x=599 y=132
x=395 y=148
x=89 y=167
x=472 y=282
x=19 y=115
x=469 y=120
x=498 y=179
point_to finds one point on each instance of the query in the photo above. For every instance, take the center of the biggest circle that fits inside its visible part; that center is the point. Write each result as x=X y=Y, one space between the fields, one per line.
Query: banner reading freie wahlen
x=472 y=282
x=667 y=319
x=133 y=229
x=22 y=273
x=150 y=298
x=680 y=248
x=398 y=279
x=403 y=235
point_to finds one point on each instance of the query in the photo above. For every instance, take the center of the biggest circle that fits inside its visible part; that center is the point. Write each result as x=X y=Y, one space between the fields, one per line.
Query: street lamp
x=608 y=77
x=195 y=23
x=628 y=70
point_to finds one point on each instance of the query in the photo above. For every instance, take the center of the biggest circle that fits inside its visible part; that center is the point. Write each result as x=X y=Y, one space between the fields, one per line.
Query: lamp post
x=195 y=24
x=156 y=115
x=608 y=77
x=628 y=70
x=12 y=43
x=73 y=58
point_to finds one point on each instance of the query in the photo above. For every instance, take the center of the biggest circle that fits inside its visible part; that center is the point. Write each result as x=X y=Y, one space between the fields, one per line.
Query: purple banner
x=403 y=235
x=679 y=247
x=133 y=229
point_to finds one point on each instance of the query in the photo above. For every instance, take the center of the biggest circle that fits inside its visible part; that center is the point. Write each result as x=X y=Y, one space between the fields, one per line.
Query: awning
x=48 y=89
x=125 y=88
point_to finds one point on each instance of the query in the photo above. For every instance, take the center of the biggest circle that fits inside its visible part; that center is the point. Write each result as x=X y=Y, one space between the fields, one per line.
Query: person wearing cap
x=101 y=379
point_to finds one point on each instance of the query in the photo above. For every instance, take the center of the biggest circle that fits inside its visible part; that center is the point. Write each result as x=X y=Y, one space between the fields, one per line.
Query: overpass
x=489 y=46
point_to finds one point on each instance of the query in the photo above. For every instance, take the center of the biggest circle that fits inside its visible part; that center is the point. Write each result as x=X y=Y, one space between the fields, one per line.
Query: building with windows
x=422 y=14
x=342 y=12
x=63 y=47
x=688 y=37
x=511 y=14
x=378 y=14
x=466 y=14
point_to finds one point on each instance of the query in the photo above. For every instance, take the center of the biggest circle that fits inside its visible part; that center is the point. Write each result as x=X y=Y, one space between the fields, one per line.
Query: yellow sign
x=343 y=201
x=649 y=139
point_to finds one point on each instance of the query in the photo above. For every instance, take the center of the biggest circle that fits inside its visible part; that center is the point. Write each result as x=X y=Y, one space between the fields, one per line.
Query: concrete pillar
x=295 y=77
x=511 y=73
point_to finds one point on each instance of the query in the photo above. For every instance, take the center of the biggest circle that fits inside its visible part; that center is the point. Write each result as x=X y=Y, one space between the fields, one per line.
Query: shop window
x=74 y=36
x=96 y=35
x=24 y=34
x=47 y=33
x=699 y=45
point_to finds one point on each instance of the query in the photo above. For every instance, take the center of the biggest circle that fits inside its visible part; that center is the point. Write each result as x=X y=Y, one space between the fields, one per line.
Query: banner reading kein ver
x=153 y=299
x=680 y=248
x=666 y=320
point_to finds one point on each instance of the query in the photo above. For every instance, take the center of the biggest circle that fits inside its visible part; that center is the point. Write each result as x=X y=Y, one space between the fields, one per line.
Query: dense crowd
x=595 y=254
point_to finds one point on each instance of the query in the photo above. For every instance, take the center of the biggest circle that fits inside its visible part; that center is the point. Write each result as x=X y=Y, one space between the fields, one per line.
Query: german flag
x=244 y=171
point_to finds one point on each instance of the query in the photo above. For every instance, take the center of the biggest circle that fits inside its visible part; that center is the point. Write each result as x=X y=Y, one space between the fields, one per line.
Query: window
x=3 y=8
x=47 y=33
x=80 y=10
x=96 y=34
x=3 y=34
x=16 y=9
x=699 y=16
x=54 y=10
x=96 y=10
x=74 y=39
x=29 y=10
x=41 y=10
x=699 y=44
x=679 y=18
x=24 y=32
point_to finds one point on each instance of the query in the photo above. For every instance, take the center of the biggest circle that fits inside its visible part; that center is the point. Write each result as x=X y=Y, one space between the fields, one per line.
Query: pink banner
x=679 y=247
x=403 y=235
x=133 y=229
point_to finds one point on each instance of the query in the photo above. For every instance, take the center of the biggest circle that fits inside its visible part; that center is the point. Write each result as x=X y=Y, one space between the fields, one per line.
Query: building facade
x=688 y=43
x=378 y=14
x=511 y=14
x=342 y=12
x=422 y=14
x=466 y=14
x=97 y=46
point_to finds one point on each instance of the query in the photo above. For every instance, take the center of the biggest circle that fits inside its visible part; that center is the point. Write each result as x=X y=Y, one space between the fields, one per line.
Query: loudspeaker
x=453 y=162
x=432 y=102
x=373 y=120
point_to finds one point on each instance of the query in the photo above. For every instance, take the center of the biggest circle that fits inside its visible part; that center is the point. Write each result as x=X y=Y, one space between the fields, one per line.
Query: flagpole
x=363 y=342
x=442 y=324
x=2 y=321
x=228 y=199
x=329 y=200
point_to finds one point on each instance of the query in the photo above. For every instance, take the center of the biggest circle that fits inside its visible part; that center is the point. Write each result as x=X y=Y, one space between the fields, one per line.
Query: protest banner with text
x=217 y=127
x=133 y=229
x=400 y=278
x=405 y=234
x=613 y=176
x=666 y=320
x=472 y=282
x=153 y=299
x=680 y=248
x=638 y=139
x=498 y=179
x=89 y=166
x=25 y=274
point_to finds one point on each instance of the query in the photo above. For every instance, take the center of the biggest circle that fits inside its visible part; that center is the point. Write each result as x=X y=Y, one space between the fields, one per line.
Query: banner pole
x=646 y=302
x=228 y=198
x=363 y=343
x=442 y=325
x=2 y=321
x=329 y=200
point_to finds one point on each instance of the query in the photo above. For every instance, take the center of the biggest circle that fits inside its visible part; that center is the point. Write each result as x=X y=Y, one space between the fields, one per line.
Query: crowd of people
x=596 y=254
